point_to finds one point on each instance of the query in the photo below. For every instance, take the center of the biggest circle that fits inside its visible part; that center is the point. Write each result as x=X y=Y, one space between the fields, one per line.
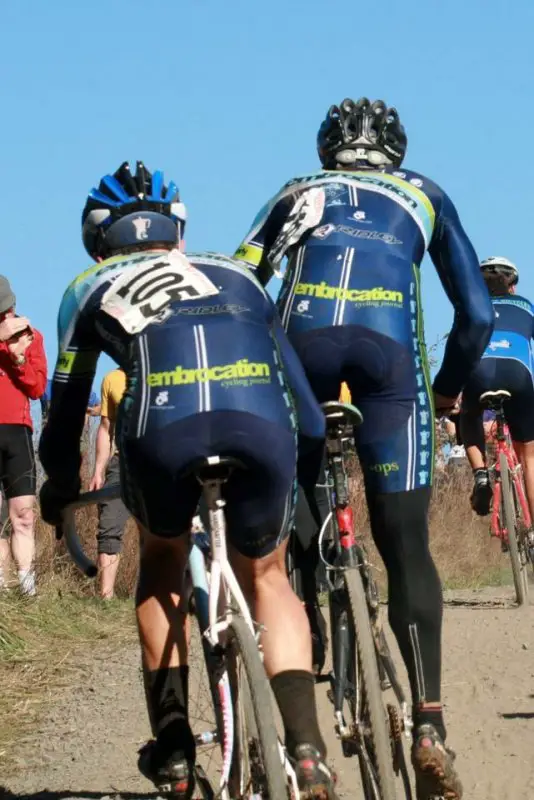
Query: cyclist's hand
x=97 y=482
x=445 y=405
x=54 y=499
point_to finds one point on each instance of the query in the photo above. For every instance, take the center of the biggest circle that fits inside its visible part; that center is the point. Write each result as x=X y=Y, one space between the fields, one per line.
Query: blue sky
x=227 y=97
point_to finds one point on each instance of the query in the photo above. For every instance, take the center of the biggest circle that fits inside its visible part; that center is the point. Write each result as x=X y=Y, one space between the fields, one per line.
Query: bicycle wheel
x=526 y=550
x=257 y=769
x=370 y=717
x=510 y=523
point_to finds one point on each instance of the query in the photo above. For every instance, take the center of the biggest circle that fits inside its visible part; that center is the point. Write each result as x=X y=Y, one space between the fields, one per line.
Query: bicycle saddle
x=341 y=413
x=214 y=468
x=494 y=400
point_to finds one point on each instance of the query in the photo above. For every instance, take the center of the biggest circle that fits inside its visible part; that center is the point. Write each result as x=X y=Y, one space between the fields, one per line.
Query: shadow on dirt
x=518 y=715
x=5 y=794
x=477 y=604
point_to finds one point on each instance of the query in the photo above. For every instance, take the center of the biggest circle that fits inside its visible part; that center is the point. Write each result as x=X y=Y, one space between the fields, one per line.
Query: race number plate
x=305 y=214
x=141 y=295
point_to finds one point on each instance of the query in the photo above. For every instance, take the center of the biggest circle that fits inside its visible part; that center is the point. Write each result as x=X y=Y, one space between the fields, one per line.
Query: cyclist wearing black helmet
x=209 y=372
x=507 y=364
x=354 y=235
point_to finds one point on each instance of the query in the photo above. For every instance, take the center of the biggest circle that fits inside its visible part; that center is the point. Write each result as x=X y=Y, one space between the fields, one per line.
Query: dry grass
x=465 y=554
x=40 y=643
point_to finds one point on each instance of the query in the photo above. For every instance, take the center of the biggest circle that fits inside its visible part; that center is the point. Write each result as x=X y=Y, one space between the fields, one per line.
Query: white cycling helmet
x=496 y=265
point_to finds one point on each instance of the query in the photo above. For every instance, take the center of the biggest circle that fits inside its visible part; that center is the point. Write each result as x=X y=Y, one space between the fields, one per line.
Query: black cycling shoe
x=433 y=763
x=314 y=779
x=482 y=493
x=171 y=773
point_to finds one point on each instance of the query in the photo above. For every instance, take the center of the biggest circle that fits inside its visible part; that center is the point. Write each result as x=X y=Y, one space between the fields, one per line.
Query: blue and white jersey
x=513 y=331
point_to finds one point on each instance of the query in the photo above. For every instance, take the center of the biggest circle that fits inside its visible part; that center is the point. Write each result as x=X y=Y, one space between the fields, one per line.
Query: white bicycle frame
x=223 y=590
x=218 y=597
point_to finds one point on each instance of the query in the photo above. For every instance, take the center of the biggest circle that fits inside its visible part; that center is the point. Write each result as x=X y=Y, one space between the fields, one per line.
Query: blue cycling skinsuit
x=350 y=302
x=209 y=372
x=507 y=363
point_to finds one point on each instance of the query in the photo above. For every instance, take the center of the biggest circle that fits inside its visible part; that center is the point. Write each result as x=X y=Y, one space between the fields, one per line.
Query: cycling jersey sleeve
x=59 y=448
x=457 y=265
x=311 y=422
x=254 y=249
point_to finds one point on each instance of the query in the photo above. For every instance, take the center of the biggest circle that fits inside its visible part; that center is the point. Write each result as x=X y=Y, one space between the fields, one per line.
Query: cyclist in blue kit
x=354 y=234
x=209 y=371
x=507 y=363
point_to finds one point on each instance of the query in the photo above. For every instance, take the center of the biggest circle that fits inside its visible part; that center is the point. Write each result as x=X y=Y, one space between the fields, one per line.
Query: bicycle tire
x=257 y=704
x=366 y=654
x=510 y=522
x=524 y=547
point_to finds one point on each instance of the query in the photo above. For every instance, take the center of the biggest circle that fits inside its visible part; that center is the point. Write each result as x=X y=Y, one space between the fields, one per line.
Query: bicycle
x=254 y=764
x=362 y=664
x=510 y=516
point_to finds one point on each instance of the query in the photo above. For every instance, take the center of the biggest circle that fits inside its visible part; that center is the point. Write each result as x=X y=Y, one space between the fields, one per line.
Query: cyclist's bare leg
x=473 y=435
x=161 y=620
x=163 y=633
x=472 y=428
x=525 y=454
x=287 y=649
x=475 y=457
x=286 y=640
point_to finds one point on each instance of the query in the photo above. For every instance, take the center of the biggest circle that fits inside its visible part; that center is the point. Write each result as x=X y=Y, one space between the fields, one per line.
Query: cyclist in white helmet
x=507 y=363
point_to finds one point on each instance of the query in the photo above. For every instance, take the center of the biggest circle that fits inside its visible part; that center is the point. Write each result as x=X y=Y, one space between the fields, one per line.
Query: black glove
x=54 y=499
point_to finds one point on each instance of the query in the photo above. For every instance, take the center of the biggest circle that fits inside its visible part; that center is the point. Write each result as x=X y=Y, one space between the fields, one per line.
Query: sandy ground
x=86 y=746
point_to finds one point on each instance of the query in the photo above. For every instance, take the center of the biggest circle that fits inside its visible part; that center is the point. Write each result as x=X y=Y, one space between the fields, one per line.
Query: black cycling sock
x=430 y=715
x=294 y=691
x=167 y=698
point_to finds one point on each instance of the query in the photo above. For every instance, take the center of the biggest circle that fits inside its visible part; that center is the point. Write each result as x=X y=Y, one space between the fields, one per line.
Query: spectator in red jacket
x=22 y=377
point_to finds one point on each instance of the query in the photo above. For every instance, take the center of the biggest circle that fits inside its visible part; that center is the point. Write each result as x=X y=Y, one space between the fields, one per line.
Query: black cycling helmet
x=129 y=210
x=363 y=133
x=497 y=265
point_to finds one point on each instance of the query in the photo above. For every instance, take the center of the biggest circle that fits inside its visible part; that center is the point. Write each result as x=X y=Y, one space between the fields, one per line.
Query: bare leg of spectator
x=4 y=540
x=112 y=518
x=108 y=566
x=22 y=518
x=4 y=559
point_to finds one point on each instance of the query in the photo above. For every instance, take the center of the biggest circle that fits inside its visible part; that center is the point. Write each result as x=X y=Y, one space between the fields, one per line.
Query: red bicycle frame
x=504 y=445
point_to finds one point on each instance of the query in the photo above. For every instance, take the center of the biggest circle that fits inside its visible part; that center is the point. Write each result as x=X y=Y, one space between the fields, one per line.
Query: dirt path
x=86 y=748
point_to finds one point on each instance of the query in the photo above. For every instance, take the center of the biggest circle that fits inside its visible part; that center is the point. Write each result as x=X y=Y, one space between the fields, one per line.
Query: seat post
x=211 y=488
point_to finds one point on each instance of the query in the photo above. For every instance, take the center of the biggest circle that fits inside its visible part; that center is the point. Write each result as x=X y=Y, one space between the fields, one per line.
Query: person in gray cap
x=22 y=378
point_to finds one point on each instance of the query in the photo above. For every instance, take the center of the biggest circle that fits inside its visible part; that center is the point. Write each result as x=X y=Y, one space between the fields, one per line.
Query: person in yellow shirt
x=112 y=514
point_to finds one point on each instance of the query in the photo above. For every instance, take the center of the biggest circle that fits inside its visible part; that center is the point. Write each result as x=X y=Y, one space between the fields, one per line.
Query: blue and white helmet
x=497 y=265
x=129 y=210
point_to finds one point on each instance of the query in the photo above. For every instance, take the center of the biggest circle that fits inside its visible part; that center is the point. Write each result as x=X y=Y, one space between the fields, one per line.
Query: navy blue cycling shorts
x=501 y=373
x=260 y=500
x=390 y=386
